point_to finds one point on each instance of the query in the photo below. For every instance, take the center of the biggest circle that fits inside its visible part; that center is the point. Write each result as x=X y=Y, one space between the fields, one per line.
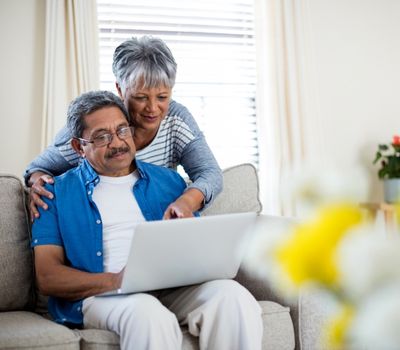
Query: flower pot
x=392 y=190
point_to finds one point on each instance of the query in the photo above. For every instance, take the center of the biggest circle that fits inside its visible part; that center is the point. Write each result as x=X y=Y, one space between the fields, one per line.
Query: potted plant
x=389 y=158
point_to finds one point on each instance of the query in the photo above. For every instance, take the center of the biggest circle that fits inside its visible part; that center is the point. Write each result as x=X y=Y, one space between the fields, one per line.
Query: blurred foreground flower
x=308 y=255
x=367 y=260
x=338 y=326
x=337 y=250
x=376 y=324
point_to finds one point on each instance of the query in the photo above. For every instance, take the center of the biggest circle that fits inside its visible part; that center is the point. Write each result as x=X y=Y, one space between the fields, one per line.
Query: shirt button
x=98 y=253
x=98 y=221
x=89 y=192
x=35 y=241
x=78 y=308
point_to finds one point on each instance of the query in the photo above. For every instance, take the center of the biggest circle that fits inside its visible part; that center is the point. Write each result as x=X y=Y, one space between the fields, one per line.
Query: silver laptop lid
x=172 y=253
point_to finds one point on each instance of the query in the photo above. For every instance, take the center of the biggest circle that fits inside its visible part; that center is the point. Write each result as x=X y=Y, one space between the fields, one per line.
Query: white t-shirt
x=120 y=213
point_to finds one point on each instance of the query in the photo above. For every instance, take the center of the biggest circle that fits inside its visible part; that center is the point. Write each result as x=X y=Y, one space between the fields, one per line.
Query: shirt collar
x=140 y=168
x=90 y=175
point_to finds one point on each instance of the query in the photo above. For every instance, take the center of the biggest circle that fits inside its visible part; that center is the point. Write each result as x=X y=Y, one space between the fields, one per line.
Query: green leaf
x=377 y=157
x=382 y=173
x=383 y=147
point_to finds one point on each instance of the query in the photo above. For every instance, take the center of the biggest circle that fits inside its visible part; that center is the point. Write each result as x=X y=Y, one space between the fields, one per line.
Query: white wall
x=355 y=54
x=21 y=71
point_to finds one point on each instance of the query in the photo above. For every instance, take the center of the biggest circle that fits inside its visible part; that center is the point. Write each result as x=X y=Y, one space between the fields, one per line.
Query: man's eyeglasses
x=105 y=139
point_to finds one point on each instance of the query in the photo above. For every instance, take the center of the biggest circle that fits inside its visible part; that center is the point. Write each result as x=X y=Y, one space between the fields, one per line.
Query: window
x=213 y=44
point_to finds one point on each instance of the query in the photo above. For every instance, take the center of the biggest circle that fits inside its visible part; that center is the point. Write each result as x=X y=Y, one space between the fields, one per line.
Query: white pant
x=222 y=313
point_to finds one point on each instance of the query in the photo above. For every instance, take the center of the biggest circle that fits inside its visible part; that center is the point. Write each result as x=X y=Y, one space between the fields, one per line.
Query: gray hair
x=147 y=61
x=90 y=102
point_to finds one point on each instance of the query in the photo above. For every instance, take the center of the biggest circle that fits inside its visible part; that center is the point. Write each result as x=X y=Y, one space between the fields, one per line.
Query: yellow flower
x=338 y=326
x=309 y=254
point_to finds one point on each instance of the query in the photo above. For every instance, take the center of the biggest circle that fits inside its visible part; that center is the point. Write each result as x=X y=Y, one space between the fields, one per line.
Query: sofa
x=25 y=323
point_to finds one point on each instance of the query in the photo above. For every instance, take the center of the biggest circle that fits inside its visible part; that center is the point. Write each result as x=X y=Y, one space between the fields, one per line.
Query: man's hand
x=57 y=279
x=117 y=279
x=185 y=205
x=37 y=181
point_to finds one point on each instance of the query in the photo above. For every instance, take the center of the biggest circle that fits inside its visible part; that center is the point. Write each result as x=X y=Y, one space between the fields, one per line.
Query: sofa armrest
x=16 y=272
x=261 y=288
x=309 y=313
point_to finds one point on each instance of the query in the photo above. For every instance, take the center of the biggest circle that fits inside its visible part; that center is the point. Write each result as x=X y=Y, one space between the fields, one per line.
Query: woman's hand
x=189 y=202
x=37 y=181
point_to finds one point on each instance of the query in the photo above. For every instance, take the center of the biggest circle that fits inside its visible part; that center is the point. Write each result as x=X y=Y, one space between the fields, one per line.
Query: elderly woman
x=165 y=133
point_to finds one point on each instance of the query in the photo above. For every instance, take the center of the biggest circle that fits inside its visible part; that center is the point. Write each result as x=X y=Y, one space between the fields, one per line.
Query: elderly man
x=81 y=244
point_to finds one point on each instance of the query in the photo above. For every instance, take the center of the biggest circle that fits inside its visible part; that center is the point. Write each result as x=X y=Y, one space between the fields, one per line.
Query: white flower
x=367 y=260
x=377 y=321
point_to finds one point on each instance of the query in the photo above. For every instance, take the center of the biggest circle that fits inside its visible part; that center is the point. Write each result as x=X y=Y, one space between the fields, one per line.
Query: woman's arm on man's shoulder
x=56 y=159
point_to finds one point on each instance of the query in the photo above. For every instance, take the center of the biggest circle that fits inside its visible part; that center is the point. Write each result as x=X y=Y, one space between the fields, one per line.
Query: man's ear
x=119 y=91
x=77 y=146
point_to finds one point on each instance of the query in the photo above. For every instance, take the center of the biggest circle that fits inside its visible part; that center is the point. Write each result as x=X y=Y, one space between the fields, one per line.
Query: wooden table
x=389 y=214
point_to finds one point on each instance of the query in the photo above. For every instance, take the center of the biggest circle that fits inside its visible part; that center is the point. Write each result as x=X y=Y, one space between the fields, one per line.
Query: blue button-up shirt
x=73 y=221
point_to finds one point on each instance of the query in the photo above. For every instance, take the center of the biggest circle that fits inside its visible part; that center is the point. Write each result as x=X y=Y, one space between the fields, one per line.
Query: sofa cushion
x=278 y=332
x=240 y=193
x=16 y=271
x=315 y=308
x=98 y=339
x=278 y=327
x=26 y=330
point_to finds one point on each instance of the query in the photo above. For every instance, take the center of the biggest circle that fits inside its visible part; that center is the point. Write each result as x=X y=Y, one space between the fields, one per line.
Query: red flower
x=396 y=140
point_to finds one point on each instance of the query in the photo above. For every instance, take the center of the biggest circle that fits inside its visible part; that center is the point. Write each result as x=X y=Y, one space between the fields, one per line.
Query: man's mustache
x=114 y=151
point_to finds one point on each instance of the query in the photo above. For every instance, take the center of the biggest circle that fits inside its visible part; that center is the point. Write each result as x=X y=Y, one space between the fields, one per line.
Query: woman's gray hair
x=146 y=61
x=90 y=102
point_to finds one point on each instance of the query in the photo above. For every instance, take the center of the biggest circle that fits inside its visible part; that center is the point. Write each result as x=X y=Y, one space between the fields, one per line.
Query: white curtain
x=288 y=129
x=71 y=59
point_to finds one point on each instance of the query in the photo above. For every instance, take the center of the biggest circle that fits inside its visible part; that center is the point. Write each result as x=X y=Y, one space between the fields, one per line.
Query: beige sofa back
x=16 y=271
x=240 y=193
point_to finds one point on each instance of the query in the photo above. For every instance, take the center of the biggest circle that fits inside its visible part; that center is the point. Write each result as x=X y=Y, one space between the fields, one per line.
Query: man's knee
x=228 y=316
x=232 y=292
x=147 y=323
x=146 y=310
x=228 y=288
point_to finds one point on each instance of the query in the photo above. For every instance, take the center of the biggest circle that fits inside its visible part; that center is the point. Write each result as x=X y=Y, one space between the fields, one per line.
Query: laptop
x=181 y=252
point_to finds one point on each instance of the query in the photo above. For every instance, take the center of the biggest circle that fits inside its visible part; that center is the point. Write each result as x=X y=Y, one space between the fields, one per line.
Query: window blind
x=214 y=47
